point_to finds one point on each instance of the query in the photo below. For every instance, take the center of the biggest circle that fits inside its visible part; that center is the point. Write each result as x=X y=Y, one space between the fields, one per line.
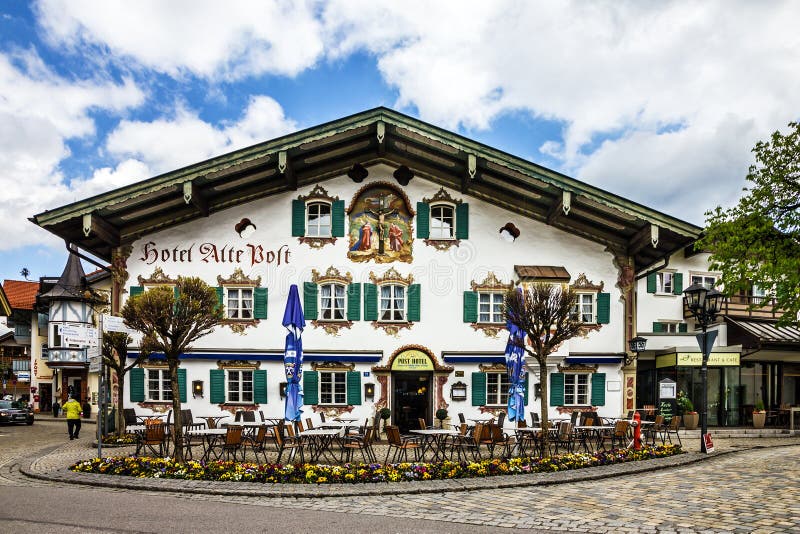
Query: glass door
x=411 y=399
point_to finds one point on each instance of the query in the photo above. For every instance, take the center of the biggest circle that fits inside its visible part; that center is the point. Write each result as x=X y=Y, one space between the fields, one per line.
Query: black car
x=10 y=413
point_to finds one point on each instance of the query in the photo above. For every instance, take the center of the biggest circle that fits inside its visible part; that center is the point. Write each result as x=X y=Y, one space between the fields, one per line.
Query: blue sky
x=657 y=102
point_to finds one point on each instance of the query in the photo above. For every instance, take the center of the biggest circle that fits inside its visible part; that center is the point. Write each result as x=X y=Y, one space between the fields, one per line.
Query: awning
x=274 y=356
x=555 y=273
x=762 y=334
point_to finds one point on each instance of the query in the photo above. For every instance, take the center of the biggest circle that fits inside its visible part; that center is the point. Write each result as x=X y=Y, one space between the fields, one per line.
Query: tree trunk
x=120 y=401
x=544 y=407
x=177 y=422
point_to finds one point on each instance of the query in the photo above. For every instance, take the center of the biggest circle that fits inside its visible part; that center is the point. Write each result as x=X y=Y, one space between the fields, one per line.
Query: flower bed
x=355 y=473
x=123 y=439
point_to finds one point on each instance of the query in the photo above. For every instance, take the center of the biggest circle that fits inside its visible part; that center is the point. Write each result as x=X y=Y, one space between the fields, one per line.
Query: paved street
x=755 y=490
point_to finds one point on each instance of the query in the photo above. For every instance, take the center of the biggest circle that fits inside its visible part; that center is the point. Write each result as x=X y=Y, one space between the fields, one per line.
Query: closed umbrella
x=515 y=367
x=294 y=322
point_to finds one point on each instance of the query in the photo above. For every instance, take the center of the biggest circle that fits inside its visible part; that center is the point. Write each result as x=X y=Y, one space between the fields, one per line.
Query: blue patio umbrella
x=294 y=322
x=515 y=367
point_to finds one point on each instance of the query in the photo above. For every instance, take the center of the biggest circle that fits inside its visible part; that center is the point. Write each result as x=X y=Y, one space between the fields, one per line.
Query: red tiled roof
x=21 y=294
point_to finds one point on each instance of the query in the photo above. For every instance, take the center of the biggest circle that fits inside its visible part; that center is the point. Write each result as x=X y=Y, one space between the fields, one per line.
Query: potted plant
x=384 y=414
x=759 y=414
x=690 y=417
x=441 y=415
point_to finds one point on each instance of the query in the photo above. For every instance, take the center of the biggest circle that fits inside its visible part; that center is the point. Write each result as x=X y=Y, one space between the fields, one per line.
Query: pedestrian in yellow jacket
x=73 y=411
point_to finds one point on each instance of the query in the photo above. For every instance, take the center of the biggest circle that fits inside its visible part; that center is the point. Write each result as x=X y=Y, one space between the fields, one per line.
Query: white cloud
x=166 y=144
x=39 y=112
x=208 y=38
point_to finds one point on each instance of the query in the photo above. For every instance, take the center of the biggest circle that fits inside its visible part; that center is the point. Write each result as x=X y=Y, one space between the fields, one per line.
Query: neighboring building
x=402 y=238
x=752 y=358
x=16 y=338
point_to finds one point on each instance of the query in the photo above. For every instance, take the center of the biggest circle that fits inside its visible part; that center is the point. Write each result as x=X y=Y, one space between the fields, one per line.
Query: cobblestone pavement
x=751 y=485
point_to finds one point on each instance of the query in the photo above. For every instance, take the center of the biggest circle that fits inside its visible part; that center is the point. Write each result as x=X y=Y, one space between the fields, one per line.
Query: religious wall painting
x=380 y=225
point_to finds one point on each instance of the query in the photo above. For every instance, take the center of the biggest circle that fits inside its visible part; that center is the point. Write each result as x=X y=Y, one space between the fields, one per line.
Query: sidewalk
x=53 y=467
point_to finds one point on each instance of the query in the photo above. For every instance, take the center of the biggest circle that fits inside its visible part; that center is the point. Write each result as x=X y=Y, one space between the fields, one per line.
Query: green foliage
x=759 y=405
x=441 y=414
x=385 y=413
x=758 y=240
x=685 y=403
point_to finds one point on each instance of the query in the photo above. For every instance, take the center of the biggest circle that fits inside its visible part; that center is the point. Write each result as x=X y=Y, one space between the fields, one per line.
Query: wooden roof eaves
x=5 y=306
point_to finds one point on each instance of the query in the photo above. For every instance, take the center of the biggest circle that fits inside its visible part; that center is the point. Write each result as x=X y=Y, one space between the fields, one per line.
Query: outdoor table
x=345 y=419
x=212 y=421
x=482 y=419
x=319 y=443
x=435 y=439
x=208 y=435
x=144 y=418
x=588 y=431
x=532 y=431
x=342 y=426
x=135 y=428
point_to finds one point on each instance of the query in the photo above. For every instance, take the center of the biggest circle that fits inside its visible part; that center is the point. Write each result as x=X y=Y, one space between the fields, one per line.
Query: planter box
x=759 y=419
x=691 y=420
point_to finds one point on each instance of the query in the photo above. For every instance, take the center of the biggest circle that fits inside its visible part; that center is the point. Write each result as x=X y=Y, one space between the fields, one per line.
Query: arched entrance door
x=412 y=389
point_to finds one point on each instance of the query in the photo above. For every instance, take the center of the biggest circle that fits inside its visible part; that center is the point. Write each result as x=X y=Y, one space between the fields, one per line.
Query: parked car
x=9 y=413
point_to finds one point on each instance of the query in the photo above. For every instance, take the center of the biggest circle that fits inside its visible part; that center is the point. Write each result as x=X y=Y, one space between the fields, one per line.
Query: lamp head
x=694 y=297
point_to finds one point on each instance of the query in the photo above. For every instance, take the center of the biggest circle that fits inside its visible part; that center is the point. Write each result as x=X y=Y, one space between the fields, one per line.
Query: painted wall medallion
x=380 y=225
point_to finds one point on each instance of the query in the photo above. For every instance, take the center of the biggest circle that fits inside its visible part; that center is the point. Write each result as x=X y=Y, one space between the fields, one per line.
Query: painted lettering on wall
x=215 y=253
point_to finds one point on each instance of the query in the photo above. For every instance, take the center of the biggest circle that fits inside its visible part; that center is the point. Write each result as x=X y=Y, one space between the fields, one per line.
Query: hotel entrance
x=411 y=399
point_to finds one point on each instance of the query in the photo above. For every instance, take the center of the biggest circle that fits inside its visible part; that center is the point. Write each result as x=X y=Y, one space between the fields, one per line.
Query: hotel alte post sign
x=412 y=360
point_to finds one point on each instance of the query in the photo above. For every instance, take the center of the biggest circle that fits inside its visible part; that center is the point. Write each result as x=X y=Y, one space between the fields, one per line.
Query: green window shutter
x=310 y=290
x=598 y=389
x=298 y=218
x=677 y=283
x=557 y=389
x=370 y=302
x=354 y=302
x=216 y=386
x=310 y=388
x=182 y=384
x=221 y=297
x=423 y=220
x=470 y=307
x=413 y=303
x=137 y=384
x=658 y=327
x=526 y=389
x=353 y=388
x=652 y=282
x=462 y=221
x=683 y=328
x=260 y=303
x=135 y=291
x=478 y=389
x=337 y=218
x=260 y=386
x=603 y=308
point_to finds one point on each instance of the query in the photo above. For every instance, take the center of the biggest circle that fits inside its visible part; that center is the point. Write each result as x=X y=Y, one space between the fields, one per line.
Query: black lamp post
x=636 y=345
x=704 y=306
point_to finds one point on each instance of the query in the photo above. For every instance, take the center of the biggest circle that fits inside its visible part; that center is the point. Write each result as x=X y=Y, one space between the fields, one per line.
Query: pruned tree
x=169 y=324
x=547 y=315
x=115 y=356
x=758 y=240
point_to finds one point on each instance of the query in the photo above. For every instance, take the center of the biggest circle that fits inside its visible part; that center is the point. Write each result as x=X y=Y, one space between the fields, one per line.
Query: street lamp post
x=704 y=306
x=636 y=345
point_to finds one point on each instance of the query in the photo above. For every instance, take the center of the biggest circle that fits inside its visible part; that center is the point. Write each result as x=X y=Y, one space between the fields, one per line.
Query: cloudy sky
x=659 y=102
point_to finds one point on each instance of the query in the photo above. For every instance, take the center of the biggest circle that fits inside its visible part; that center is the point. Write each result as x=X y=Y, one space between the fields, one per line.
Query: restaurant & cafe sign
x=695 y=359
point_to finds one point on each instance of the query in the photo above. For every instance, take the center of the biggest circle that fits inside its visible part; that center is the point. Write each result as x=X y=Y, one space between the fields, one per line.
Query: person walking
x=72 y=409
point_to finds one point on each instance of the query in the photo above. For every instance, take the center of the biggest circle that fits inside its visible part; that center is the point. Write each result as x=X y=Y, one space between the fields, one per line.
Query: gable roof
x=355 y=143
x=21 y=294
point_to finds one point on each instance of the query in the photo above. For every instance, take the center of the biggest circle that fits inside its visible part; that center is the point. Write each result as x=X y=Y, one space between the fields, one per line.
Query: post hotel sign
x=695 y=359
x=412 y=360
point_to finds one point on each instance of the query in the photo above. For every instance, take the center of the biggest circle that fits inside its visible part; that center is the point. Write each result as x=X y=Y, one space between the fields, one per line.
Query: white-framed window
x=393 y=303
x=318 y=219
x=490 y=308
x=332 y=302
x=759 y=294
x=333 y=387
x=584 y=308
x=158 y=386
x=576 y=389
x=664 y=283
x=443 y=219
x=240 y=386
x=497 y=385
x=239 y=302
x=706 y=280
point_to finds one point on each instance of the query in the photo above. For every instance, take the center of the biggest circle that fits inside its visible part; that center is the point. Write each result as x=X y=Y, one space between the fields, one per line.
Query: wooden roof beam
x=380 y=134
x=472 y=169
x=285 y=168
x=647 y=235
x=559 y=208
x=193 y=195
x=107 y=232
